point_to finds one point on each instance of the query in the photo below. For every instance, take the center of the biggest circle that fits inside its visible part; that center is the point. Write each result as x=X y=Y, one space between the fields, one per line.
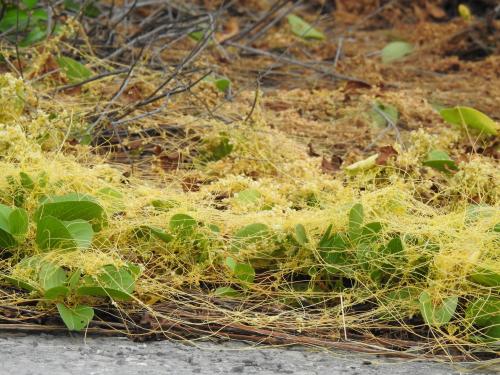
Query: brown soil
x=455 y=62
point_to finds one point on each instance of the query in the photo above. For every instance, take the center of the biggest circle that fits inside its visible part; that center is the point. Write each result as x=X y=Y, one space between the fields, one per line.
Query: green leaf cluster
x=27 y=19
x=54 y=284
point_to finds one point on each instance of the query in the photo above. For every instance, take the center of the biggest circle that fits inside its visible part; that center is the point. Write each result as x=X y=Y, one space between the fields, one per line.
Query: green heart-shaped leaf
x=230 y=263
x=226 y=291
x=221 y=150
x=382 y=113
x=119 y=279
x=395 y=51
x=134 y=269
x=30 y=4
x=248 y=196
x=147 y=231
x=440 y=161
x=56 y=293
x=437 y=316
x=370 y=231
x=26 y=181
x=164 y=205
x=14 y=18
x=303 y=29
x=88 y=8
x=493 y=333
x=223 y=84
x=74 y=279
x=333 y=253
x=356 y=217
x=250 y=234
x=36 y=34
x=243 y=271
x=395 y=246
x=13 y=225
x=29 y=286
x=98 y=291
x=484 y=311
x=81 y=232
x=53 y=233
x=18 y=222
x=197 y=35
x=471 y=118
x=74 y=70
x=51 y=276
x=182 y=223
x=362 y=165
x=113 y=198
x=41 y=15
x=486 y=277
x=76 y=318
x=324 y=242
x=301 y=235
x=111 y=282
x=72 y=207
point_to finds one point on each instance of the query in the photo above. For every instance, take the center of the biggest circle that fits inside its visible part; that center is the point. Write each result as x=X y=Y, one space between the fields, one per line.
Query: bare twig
x=291 y=61
x=92 y=79
x=261 y=21
x=17 y=42
x=255 y=100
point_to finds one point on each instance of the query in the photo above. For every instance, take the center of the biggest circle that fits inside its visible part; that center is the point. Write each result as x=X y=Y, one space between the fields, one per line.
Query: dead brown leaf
x=229 y=29
x=191 y=184
x=311 y=151
x=331 y=166
x=384 y=154
x=353 y=86
x=49 y=67
x=435 y=10
x=170 y=162
x=133 y=93
x=135 y=144
x=157 y=150
x=419 y=13
x=277 y=105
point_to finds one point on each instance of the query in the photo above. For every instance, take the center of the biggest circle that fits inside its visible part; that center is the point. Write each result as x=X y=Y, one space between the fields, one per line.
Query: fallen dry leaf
x=434 y=10
x=311 y=151
x=133 y=93
x=332 y=165
x=352 y=86
x=229 y=29
x=191 y=184
x=384 y=154
x=135 y=144
x=170 y=162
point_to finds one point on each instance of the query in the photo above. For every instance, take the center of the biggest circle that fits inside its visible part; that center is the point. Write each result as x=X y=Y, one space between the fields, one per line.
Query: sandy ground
x=58 y=355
